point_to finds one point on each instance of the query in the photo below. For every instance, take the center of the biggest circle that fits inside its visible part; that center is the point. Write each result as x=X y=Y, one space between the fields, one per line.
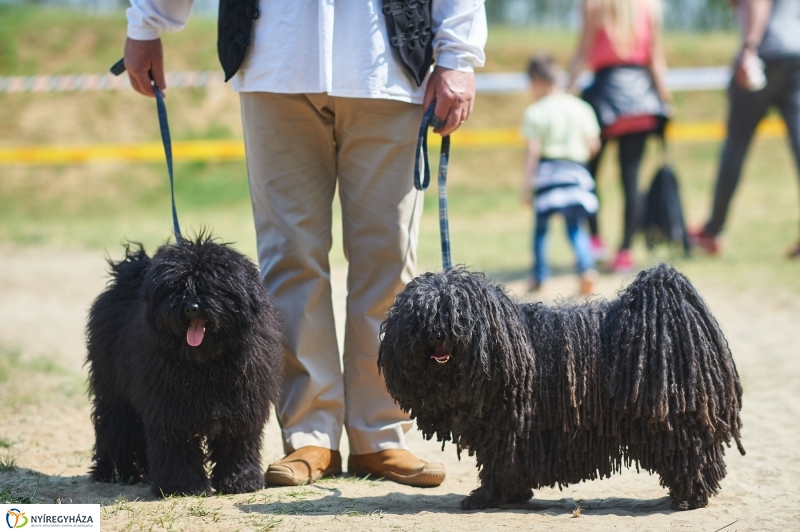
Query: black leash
x=119 y=68
x=422 y=183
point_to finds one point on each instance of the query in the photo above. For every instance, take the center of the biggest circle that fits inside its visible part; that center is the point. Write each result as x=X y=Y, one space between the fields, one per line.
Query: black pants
x=745 y=111
x=631 y=150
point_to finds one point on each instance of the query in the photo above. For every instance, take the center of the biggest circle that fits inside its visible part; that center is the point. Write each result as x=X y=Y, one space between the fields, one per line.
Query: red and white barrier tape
x=678 y=79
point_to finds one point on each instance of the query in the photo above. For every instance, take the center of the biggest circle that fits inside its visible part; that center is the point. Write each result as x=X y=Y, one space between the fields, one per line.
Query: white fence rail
x=678 y=79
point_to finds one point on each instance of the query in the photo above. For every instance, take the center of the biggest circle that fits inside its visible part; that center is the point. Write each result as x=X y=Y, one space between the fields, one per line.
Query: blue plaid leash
x=166 y=140
x=422 y=178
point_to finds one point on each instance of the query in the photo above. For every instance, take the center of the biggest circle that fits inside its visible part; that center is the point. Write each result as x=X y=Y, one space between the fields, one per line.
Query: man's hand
x=740 y=73
x=143 y=58
x=454 y=94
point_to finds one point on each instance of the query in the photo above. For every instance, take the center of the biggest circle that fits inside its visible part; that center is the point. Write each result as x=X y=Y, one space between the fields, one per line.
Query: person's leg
x=631 y=149
x=594 y=166
x=376 y=141
x=579 y=238
x=789 y=103
x=541 y=268
x=291 y=164
x=745 y=111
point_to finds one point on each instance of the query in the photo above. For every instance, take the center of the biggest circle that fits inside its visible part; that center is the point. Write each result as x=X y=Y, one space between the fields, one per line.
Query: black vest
x=407 y=21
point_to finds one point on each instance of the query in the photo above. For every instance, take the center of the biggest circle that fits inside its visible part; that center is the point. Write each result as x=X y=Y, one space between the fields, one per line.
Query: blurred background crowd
x=621 y=42
x=95 y=202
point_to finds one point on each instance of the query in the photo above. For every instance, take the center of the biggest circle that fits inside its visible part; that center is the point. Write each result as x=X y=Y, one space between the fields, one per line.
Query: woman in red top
x=621 y=43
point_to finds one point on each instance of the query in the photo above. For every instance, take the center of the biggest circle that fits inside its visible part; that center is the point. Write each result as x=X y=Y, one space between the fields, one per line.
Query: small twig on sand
x=726 y=526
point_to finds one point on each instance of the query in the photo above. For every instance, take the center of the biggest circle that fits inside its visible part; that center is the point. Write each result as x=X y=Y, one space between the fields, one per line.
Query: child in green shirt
x=562 y=134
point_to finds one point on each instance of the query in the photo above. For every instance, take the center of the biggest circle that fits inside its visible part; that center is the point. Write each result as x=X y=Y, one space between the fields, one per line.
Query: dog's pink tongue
x=197 y=329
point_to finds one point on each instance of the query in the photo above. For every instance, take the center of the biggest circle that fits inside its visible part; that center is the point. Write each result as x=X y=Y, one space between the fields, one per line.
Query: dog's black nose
x=191 y=309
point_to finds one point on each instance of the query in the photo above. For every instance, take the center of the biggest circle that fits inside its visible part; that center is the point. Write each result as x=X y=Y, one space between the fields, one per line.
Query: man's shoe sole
x=423 y=479
x=279 y=478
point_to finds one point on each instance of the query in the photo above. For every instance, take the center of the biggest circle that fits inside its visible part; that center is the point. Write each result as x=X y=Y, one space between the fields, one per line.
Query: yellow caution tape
x=226 y=150
x=191 y=150
x=679 y=132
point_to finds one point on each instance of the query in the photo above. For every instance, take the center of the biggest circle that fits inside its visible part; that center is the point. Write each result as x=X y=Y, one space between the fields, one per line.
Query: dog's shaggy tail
x=671 y=366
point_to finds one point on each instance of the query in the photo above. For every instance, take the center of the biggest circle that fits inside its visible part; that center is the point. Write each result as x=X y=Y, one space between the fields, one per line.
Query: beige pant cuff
x=296 y=440
x=372 y=441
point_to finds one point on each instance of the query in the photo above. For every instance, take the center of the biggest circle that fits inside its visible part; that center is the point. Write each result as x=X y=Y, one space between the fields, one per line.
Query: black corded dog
x=557 y=395
x=185 y=361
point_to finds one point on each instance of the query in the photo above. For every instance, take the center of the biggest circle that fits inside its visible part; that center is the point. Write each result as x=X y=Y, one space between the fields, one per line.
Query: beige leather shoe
x=398 y=465
x=304 y=466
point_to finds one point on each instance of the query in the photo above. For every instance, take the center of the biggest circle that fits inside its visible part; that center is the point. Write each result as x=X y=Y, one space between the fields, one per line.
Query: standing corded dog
x=558 y=395
x=330 y=95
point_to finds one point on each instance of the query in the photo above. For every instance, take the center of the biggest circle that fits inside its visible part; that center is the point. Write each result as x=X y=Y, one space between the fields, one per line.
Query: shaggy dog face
x=198 y=299
x=185 y=361
x=441 y=345
x=547 y=396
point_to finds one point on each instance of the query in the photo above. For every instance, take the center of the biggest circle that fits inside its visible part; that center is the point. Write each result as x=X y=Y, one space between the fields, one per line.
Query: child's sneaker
x=623 y=263
x=598 y=248
x=588 y=279
x=534 y=285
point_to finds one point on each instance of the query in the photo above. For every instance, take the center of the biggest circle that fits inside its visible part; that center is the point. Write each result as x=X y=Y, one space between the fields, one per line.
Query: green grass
x=36 y=40
x=9 y=497
x=132 y=202
x=7 y=462
x=26 y=381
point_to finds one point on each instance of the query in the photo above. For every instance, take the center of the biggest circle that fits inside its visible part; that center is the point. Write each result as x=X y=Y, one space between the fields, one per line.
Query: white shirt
x=339 y=47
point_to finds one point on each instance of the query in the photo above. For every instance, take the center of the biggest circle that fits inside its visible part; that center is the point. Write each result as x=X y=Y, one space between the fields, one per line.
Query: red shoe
x=712 y=245
x=598 y=248
x=623 y=262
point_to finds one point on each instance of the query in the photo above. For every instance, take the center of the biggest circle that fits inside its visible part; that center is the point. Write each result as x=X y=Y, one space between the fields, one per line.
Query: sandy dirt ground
x=44 y=297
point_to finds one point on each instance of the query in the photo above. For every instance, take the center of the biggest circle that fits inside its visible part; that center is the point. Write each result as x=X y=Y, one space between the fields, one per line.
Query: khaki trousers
x=298 y=147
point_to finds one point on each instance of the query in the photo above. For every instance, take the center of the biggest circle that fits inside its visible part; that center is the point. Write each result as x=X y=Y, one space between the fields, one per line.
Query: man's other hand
x=143 y=58
x=454 y=93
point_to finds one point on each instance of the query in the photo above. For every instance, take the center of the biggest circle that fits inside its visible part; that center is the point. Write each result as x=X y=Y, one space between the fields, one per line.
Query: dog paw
x=470 y=503
x=680 y=506
x=523 y=495
x=479 y=500
x=692 y=503
x=240 y=483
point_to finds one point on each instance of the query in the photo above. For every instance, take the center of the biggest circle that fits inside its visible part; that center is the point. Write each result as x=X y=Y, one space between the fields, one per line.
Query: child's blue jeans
x=578 y=235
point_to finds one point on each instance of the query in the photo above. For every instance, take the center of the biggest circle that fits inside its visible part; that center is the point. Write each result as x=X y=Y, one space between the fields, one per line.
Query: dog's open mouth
x=196 y=331
x=441 y=355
